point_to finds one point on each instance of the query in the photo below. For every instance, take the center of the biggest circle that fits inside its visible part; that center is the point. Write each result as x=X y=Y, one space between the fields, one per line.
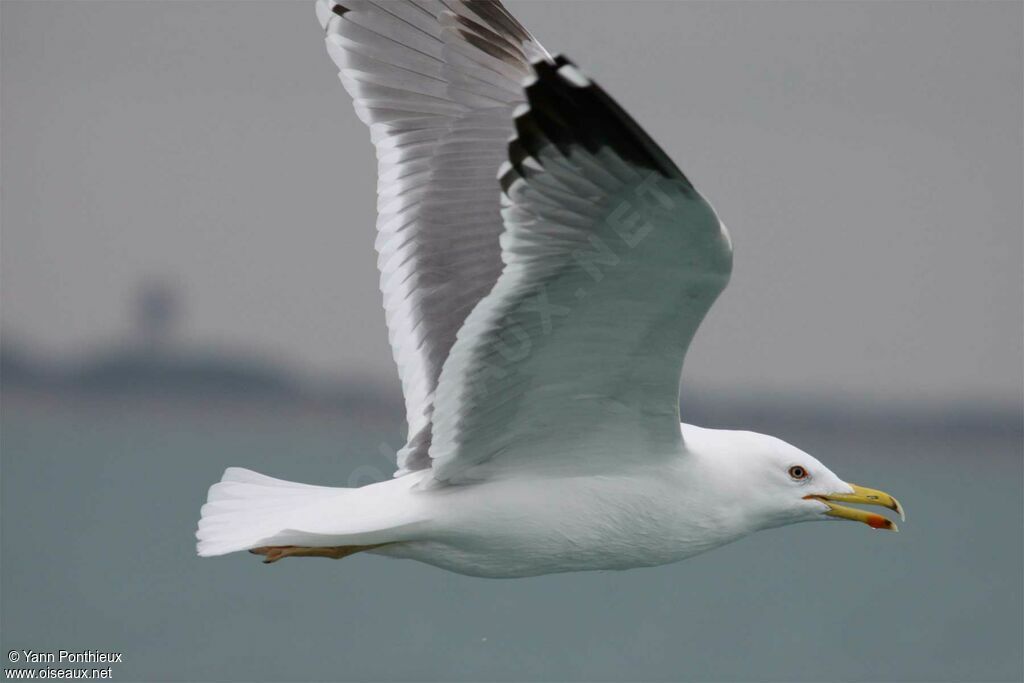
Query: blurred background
x=188 y=282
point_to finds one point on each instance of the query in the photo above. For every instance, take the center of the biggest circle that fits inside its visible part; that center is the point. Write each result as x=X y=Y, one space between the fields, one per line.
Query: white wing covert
x=436 y=82
x=612 y=259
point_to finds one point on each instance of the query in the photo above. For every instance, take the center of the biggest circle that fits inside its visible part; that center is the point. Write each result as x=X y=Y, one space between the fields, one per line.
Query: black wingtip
x=564 y=111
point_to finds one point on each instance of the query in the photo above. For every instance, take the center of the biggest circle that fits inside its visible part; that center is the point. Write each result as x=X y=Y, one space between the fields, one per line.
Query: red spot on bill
x=878 y=522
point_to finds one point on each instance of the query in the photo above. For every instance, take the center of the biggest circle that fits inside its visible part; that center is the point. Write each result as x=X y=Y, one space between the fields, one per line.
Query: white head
x=762 y=482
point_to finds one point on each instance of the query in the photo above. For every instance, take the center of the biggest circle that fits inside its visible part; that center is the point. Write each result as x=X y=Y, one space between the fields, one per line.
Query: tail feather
x=247 y=510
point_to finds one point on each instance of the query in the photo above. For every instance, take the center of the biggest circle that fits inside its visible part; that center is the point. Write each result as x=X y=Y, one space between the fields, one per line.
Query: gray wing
x=612 y=259
x=436 y=82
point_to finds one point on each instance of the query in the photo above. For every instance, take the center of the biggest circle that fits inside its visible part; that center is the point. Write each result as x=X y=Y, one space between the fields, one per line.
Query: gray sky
x=866 y=157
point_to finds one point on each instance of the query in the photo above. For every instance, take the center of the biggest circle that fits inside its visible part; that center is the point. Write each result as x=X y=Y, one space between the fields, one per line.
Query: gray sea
x=100 y=501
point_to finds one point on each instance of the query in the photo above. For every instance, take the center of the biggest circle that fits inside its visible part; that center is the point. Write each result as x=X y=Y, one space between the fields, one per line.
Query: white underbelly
x=529 y=527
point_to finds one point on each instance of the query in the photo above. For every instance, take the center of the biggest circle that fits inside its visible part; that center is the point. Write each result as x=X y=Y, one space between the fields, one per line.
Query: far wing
x=436 y=81
x=612 y=259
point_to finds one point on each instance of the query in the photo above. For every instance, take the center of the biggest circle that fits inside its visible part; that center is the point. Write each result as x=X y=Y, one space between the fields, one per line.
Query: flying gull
x=544 y=266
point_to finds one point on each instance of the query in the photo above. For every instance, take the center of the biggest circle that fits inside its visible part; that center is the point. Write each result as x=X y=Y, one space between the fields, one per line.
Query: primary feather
x=436 y=82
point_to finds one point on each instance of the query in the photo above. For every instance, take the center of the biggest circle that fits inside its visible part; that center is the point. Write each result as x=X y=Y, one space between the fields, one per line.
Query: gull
x=544 y=267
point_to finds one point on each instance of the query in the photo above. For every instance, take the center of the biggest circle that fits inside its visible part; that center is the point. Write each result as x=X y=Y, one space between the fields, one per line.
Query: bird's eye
x=797 y=472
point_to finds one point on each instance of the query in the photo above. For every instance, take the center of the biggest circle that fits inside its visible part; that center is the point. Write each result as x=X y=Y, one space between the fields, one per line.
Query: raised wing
x=436 y=82
x=612 y=259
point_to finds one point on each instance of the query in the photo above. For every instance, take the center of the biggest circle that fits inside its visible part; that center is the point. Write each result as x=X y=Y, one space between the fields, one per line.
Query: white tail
x=246 y=509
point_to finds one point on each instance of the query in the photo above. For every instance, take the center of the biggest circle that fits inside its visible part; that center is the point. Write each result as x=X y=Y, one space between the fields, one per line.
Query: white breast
x=529 y=526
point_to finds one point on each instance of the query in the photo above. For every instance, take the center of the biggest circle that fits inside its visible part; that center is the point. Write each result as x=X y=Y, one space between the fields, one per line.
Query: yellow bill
x=862 y=496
